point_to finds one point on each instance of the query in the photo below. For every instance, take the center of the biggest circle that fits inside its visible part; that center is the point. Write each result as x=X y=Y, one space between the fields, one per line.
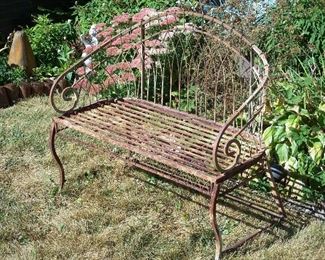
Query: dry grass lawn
x=102 y=213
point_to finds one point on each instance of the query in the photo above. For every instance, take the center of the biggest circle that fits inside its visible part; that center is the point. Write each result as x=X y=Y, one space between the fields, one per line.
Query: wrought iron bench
x=183 y=92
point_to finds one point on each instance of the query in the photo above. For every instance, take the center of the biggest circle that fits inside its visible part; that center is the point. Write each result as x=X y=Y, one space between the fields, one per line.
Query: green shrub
x=52 y=44
x=294 y=40
x=296 y=136
x=10 y=74
x=295 y=33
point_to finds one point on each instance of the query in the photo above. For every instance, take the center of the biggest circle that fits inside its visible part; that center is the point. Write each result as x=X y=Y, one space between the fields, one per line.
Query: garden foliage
x=52 y=44
x=8 y=74
x=295 y=33
x=295 y=45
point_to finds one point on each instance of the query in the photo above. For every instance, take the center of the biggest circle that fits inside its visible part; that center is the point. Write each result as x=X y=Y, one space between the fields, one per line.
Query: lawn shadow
x=253 y=209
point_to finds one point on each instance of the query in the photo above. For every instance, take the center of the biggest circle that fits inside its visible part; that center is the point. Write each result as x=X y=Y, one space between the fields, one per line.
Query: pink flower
x=109 y=81
x=123 y=65
x=123 y=18
x=127 y=46
x=88 y=49
x=113 y=51
x=109 y=31
x=148 y=62
x=128 y=77
x=111 y=69
x=123 y=39
x=153 y=43
x=117 y=42
x=82 y=84
x=136 y=63
x=136 y=33
x=100 y=26
x=173 y=10
x=103 y=36
x=169 y=19
x=94 y=89
x=81 y=71
x=112 y=80
x=144 y=14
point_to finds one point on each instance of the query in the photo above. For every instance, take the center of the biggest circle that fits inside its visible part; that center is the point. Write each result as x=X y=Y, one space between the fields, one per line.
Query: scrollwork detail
x=228 y=152
x=67 y=94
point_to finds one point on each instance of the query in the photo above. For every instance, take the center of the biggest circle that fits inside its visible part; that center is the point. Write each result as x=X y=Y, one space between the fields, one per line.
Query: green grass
x=102 y=213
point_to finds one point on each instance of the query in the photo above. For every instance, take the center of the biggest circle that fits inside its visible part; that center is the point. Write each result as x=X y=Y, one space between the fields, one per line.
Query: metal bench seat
x=177 y=139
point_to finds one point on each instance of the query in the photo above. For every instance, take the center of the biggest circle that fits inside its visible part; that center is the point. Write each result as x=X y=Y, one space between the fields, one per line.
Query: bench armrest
x=247 y=121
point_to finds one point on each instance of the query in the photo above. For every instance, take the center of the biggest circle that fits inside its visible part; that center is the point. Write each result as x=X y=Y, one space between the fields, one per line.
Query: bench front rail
x=182 y=91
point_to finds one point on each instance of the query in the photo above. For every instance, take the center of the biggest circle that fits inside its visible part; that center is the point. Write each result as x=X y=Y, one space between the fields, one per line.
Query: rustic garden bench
x=182 y=92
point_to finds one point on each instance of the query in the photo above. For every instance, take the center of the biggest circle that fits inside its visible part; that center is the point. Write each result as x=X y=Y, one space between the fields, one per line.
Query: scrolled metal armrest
x=67 y=94
x=226 y=151
x=233 y=141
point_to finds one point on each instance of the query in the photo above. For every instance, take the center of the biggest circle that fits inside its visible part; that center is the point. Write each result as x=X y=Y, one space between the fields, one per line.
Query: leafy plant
x=295 y=33
x=52 y=44
x=10 y=74
x=296 y=137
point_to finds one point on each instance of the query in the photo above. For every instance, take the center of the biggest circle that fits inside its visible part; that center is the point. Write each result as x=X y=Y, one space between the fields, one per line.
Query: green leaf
x=321 y=138
x=304 y=112
x=321 y=107
x=294 y=146
x=316 y=152
x=292 y=164
x=282 y=150
x=293 y=121
x=279 y=134
x=268 y=135
x=295 y=108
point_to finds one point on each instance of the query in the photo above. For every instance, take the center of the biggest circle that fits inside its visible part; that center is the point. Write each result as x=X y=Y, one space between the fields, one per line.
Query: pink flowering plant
x=109 y=69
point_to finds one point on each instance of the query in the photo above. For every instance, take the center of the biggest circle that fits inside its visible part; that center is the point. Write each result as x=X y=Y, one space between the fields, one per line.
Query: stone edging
x=12 y=93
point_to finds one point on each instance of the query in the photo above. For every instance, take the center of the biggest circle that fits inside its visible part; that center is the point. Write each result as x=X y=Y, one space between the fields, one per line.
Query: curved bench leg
x=213 y=219
x=274 y=190
x=54 y=130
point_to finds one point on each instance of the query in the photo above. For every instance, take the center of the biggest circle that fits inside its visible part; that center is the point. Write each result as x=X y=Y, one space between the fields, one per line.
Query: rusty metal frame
x=218 y=151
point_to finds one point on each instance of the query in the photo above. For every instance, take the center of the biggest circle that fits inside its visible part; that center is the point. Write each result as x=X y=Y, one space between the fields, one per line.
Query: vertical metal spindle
x=148 y=84
x=196 y=100
x=234 y=94
x=155 y=84
x=179 y=86
x=188 y=82
x=143 y=57
x=250 y=106
x=216 y=93
x=170 y=84
x=162 y=69
x=224 y=96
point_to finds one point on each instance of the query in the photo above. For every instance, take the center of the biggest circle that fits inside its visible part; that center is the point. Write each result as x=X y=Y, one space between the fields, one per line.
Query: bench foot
x=54 y=130
x=274 y=190
x=213 y=218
